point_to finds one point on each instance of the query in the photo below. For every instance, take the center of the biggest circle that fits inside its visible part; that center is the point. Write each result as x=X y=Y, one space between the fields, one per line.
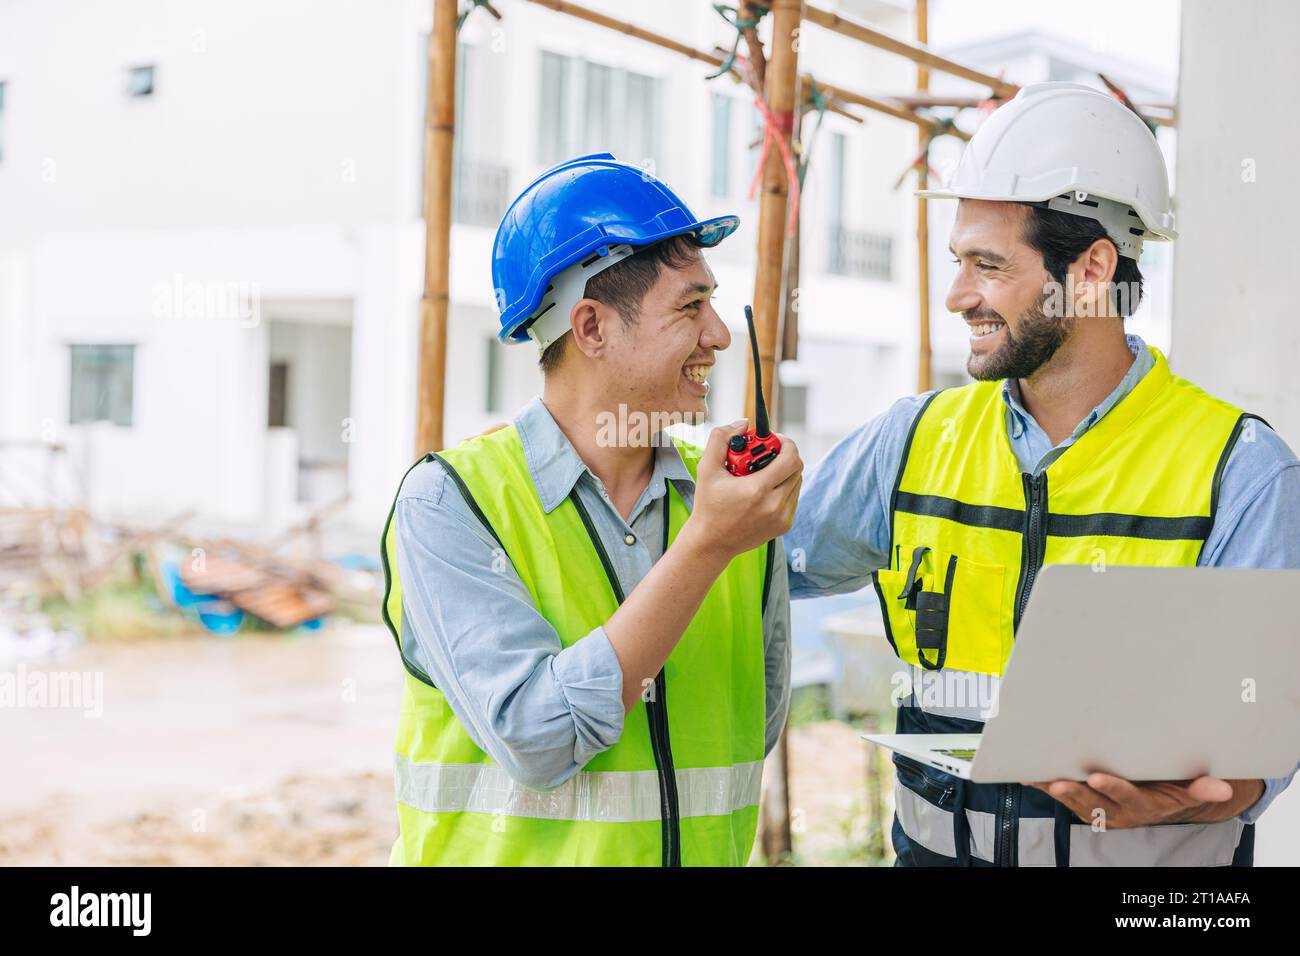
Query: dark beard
x=1026 y=352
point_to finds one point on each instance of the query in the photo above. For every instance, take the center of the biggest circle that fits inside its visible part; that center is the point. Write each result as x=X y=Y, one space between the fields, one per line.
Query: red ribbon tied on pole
x=776 y=126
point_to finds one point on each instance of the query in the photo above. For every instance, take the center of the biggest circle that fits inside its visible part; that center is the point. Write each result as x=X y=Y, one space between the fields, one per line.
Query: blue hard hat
x=579 y=207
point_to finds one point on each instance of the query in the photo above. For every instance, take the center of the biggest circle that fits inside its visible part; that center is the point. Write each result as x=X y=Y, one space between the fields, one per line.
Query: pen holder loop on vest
x=914 y=584
x=931 y=609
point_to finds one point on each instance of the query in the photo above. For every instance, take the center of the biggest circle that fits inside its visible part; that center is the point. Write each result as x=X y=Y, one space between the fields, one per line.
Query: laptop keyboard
x=962 y=754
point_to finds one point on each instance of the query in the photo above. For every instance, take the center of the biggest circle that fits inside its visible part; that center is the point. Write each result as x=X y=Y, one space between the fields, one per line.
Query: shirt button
x=629 y=538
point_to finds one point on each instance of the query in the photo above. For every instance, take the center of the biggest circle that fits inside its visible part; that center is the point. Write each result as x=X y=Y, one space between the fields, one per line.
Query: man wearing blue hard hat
x=594 y=620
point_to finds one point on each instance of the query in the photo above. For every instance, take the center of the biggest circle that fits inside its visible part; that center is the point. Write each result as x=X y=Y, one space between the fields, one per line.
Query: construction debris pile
x=278 y=593
x=58 y=561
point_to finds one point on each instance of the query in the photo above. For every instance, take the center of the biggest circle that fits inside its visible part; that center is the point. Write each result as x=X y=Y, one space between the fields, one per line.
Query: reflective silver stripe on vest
x=1188 y=844
x=601 y=797
x=954 y=693
x=1183 y=844
x=931 y=826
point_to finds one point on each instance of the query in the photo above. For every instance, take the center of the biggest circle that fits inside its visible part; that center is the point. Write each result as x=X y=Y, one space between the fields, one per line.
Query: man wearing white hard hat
x=1083 y=435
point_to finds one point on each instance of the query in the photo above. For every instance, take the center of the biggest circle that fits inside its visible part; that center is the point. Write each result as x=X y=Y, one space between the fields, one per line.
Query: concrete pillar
x=1235 y=329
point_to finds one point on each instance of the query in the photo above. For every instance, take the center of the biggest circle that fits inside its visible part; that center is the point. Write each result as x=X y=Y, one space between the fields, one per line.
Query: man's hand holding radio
x=731 y=515
x=734 y=513
x=744 y=497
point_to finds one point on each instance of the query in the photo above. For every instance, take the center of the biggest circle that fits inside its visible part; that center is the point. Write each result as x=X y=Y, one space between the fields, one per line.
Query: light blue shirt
x=842 y=527
x=540 y=710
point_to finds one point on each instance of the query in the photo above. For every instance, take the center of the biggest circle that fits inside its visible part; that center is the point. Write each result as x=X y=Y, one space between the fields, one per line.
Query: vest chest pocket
x=944 y=610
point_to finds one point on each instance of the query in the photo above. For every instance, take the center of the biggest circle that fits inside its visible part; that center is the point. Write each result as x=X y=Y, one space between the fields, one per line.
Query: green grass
x=124 y=610
x=809 y=705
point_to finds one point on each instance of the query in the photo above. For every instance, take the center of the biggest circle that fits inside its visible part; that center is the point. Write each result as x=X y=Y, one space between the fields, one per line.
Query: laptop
x=1145 y=673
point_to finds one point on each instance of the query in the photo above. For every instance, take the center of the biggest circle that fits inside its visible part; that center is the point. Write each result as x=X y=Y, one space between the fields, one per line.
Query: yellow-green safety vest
x=681 y=785
x=969 y=533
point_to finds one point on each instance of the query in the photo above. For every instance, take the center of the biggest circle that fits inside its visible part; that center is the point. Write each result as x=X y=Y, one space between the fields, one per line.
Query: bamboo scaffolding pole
x=1162 y=114
x=781 y=95
x=439 y=132
x=774 y=197
x=923 y=357
x=880 y=106
x=623 y=26
x=916 y=52
x=658 y=39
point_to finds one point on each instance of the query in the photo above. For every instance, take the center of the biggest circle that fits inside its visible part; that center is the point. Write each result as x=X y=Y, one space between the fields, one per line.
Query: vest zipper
x=1034 y=539
x=1008 y=819
x=656 y=710
x=1034 y=544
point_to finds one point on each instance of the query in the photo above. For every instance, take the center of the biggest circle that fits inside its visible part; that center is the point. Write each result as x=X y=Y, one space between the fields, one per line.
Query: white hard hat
x=1077 y=150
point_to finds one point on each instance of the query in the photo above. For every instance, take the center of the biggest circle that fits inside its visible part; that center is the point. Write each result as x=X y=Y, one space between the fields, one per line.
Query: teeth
x=986 y=328
x=696 y=373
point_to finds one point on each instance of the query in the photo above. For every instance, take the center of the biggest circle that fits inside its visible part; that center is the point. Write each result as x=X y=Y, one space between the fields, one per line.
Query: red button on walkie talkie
x=755 y=449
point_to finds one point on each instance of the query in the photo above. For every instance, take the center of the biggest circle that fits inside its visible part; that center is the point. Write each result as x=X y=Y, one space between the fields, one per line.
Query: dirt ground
x=271 y=751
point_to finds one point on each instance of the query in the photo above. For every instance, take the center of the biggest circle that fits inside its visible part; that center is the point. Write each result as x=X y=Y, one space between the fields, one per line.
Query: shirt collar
x=1143 y=362
x=555 y=466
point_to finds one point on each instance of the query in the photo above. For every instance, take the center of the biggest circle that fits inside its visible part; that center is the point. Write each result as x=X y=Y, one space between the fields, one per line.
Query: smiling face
x=999 y=291
x=660 y=361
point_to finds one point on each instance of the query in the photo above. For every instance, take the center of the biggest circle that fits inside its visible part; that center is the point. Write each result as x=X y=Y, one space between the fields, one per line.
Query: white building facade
x=211 y=252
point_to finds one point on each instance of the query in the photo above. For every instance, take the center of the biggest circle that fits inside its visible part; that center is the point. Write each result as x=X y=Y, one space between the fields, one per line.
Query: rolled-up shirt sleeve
x=539 y=709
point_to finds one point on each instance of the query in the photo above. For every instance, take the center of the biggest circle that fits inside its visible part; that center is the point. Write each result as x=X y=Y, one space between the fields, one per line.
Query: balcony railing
x=480 y=192
x=864 y=255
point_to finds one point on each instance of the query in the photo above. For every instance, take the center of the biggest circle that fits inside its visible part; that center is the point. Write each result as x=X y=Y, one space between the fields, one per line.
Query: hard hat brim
x=1153 y=229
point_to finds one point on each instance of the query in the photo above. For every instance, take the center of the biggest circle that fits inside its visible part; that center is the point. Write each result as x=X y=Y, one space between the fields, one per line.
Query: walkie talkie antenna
x=760 y=407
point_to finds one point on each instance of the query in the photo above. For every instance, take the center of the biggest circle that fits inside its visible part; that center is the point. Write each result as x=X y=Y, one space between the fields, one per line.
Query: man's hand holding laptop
x=1126 y=804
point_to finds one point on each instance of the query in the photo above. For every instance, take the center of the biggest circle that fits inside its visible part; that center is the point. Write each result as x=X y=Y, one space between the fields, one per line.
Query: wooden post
x=439 y=131
x=779 y=92
x=790 y=303
x=875 y=793
x=924 y=360
x=774 y=201
x=916 y=52
x=882 y=106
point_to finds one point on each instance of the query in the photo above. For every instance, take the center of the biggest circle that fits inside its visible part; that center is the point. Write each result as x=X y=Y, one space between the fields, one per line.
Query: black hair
x=1061 y=237
x=624 y=285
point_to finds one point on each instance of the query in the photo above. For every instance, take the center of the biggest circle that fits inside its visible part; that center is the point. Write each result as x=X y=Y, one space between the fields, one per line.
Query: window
x=480 y=188
x=721 y=177
x=492 y=377
x=793 y=403
x=555 y=111
x=277 y=396
x=102 y=384
x=861 y=254
x=139 y=81
x=588 y=108
x=835 y=195
x=756 y=131
x=852 y=252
